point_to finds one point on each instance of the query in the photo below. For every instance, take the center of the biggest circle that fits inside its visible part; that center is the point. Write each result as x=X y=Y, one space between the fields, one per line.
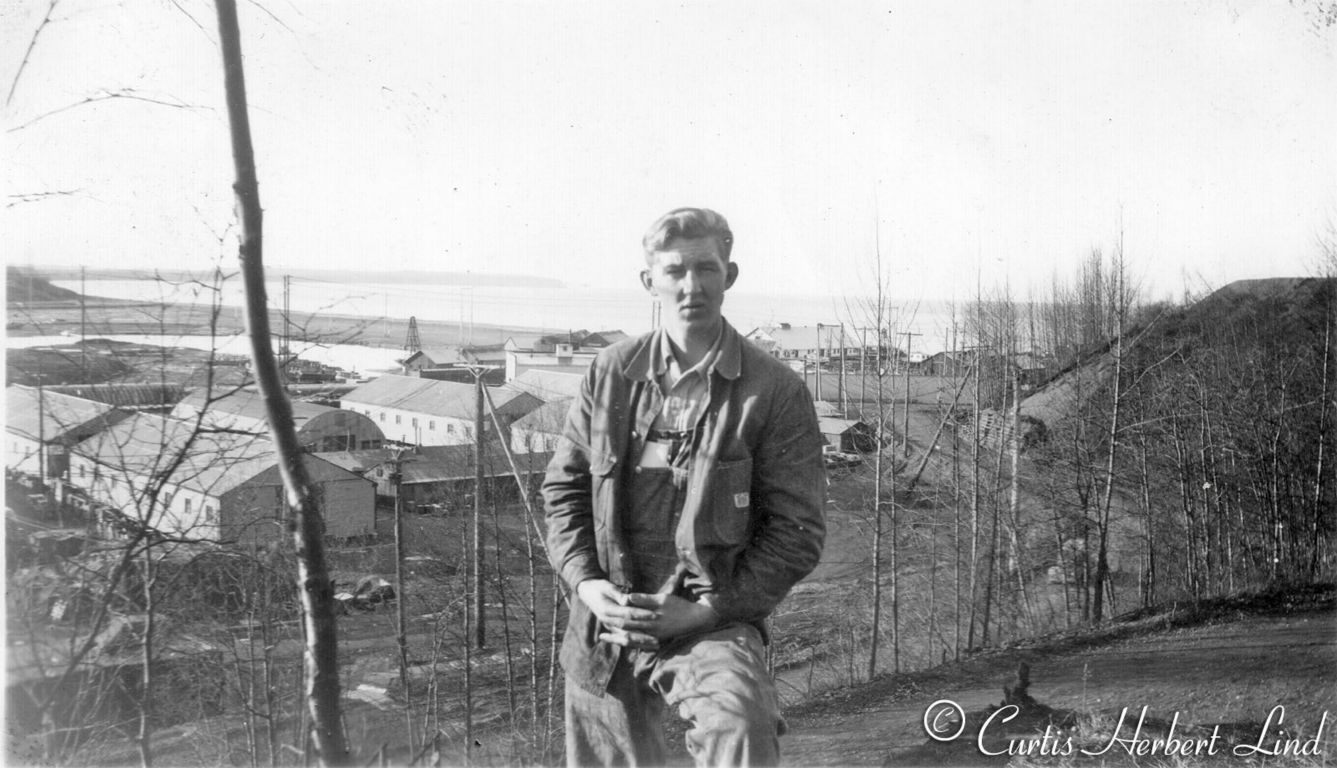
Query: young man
x=683 y=502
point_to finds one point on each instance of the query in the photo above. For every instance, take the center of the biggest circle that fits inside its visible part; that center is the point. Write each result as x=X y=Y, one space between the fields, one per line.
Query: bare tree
x=322 y=658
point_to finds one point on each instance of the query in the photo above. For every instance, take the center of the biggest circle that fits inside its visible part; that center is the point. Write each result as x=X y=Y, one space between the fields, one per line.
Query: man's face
x=689 y=277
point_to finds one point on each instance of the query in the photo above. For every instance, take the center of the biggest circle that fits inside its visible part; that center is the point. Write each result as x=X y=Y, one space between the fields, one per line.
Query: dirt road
x=1226 y=672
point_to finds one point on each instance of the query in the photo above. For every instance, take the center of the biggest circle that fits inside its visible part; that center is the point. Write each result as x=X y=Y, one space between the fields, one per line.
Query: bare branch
x=33 y=197
x=193 y=20
x=270 y=14
x=126 y=93
x=32 y=42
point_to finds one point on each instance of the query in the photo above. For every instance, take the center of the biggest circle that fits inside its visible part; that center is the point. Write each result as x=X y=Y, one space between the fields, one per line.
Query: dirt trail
x=1233 y=671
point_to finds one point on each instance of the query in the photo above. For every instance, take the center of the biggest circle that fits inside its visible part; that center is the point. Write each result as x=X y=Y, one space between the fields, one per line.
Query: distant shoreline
x=111 y=317
x=390 y=277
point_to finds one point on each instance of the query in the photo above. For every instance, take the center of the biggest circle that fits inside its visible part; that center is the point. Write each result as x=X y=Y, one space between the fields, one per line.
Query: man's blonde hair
x=690 y=223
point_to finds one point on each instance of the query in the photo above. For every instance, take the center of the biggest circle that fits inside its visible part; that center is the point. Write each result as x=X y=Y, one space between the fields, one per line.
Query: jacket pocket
x=731 y=489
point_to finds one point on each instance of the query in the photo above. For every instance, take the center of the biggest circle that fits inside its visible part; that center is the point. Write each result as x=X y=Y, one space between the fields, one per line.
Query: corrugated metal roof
x=132 y=395
x=547 y=385
x=426 y=396
x=146 y=445
x=50 y=415
x=549 y=417
x=246 y=408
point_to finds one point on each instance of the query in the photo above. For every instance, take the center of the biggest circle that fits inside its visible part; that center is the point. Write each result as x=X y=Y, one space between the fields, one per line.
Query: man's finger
x=631 y=614
x=617 y=622
x=643 y=600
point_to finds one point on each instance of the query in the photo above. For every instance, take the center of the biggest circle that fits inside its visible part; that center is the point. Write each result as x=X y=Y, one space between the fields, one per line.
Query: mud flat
x=113 y=317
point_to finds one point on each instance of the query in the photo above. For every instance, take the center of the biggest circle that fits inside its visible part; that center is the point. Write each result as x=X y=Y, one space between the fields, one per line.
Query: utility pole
x=397 y=478
x=283 y=340
x=905 y=424
x=41 y=427
x=479 y=627
x=863 y=350
x=863 y=373
x=287 y=330
x=844 y=406
x=819 y=362
x=83 y=324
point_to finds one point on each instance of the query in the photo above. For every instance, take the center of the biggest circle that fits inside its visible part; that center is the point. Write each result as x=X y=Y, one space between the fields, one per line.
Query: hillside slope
x=22 y=286
x=1273 y=311
x=1230 y=661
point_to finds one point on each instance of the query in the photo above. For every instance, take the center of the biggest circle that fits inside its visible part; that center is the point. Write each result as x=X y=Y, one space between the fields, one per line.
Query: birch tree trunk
x=305 y=523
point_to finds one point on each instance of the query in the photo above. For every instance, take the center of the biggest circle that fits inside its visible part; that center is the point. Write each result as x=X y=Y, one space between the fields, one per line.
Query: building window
x=382 y=417
x=431 y=425
x=399 y=419
x=208 y=514
x=415 y=421
x=450 y=429
x=187 y=507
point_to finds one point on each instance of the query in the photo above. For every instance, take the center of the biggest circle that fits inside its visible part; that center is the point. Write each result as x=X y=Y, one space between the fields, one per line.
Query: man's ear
x=730 y=275
x=646 y=280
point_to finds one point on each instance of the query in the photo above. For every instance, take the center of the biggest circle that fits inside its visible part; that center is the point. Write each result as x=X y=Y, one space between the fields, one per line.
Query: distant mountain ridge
x=391 y=277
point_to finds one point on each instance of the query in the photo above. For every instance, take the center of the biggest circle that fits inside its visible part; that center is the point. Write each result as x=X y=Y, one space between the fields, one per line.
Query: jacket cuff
x=732 y=604
x=578 y=569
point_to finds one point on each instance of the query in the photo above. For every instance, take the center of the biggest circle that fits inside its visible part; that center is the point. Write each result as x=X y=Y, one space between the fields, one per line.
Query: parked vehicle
x=370 y=592
x=834 y=458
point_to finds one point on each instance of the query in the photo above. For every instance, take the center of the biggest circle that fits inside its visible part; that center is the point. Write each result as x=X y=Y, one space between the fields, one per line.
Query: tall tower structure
x=412 y=342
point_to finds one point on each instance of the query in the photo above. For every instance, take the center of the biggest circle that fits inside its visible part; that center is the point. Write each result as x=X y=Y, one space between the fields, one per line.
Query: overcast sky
x=1006 y=139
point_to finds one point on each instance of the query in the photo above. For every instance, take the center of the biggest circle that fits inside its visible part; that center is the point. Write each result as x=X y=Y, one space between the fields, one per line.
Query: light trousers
x=717 y=681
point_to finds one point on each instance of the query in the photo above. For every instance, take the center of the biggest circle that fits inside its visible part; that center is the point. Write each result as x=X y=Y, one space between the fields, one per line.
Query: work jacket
x=752 y=523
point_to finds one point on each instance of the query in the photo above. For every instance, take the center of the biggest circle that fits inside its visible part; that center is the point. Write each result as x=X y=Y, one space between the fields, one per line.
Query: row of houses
x=569 y=352
x=803 y=346
x=572 y=352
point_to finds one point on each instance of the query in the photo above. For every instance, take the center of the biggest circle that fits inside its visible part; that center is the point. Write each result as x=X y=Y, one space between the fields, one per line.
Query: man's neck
x=690 y=346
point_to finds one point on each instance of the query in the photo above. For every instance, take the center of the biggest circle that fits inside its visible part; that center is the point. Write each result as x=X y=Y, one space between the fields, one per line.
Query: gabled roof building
x=208 y=485
x=416 y=411
x=319 y=427
x=548 y=385
x=41 y=426
x=539 y=430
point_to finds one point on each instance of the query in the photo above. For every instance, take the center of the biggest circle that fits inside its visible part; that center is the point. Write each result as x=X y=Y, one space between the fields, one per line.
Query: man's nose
x=690 y=281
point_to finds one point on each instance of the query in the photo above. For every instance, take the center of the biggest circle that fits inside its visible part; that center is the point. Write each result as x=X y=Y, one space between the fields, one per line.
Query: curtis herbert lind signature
x=945 y=720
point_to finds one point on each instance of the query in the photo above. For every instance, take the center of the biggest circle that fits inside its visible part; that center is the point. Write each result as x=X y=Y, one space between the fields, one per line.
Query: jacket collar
x=643 y=363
